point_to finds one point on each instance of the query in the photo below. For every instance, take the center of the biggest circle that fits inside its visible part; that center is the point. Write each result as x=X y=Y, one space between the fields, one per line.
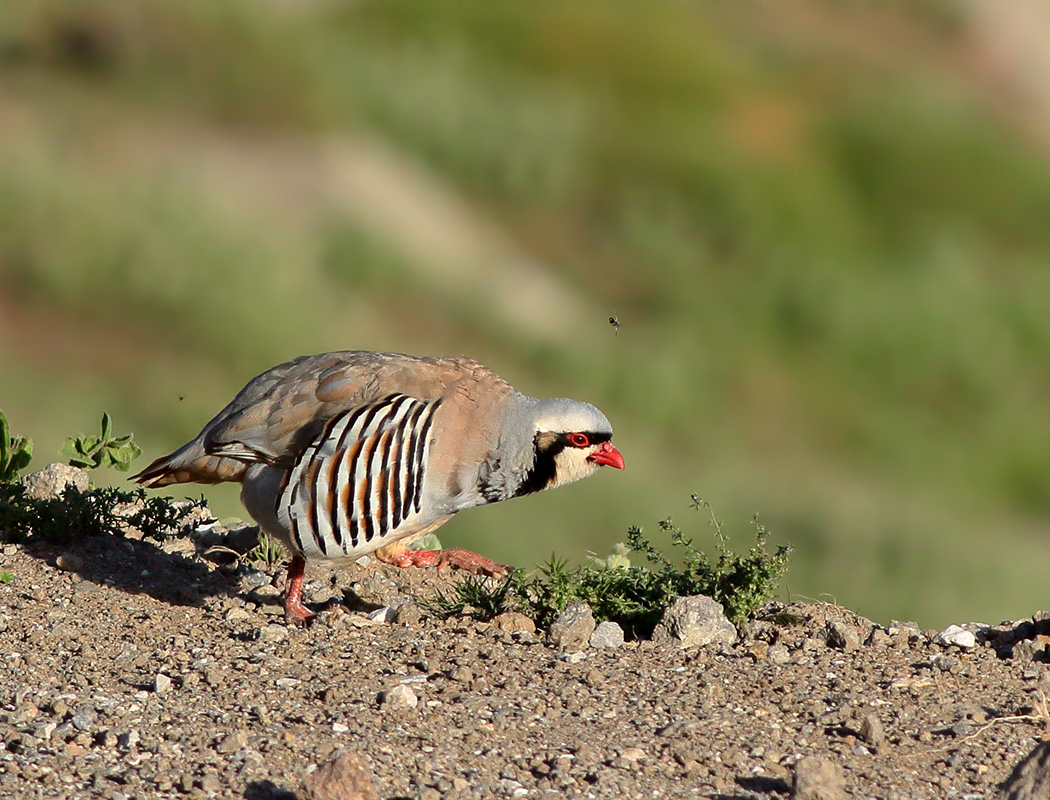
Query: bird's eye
x=579 y=439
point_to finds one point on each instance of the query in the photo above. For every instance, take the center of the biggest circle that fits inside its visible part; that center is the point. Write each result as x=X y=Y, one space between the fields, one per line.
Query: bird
x=353 y=452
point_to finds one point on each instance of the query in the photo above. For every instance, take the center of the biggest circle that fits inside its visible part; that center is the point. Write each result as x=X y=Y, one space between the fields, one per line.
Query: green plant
x=7 y=577
x=477 y=597
x=269 y=551
x=636 y=596
x=89 y=452
x=633 y=596
x=76 y=514
x=15 y=451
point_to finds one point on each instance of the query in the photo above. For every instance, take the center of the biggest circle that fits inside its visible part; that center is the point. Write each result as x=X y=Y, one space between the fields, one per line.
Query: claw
x=456 y=558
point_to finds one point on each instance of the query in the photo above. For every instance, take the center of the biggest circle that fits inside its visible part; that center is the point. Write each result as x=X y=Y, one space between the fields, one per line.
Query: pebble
x=53 y=479
x=67 y=562
x=878 y=638
x=818 y=779
x=607 y=635
x=346 y=777
x=408 y=614
x=841 y=635
x=960 y=637
x=237 y=740
x=779 y=654
x=384 y=615
x=694 y=622
x=572 y=630
x=400 y=696
x=236 y=614
x=513 y=622
x=161 y=683
x=274 y=632
x=871 y=730
x=572 y=658
x=82 y=722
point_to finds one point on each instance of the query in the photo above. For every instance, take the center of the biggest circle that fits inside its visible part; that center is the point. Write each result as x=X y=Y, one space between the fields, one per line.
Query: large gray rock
x=52 y=480
x=695 y=621
x=1030 y=779
x=572 y=629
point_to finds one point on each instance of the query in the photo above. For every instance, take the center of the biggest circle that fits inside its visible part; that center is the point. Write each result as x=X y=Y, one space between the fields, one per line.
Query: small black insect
x=615 y=322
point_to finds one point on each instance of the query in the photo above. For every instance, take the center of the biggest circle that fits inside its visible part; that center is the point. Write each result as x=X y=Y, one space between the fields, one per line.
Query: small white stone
x=338 y=727
x=287 y=683
x=572 y=658
x=161 y=683
x=400 y=696
x=384 y=615
x=960 y=637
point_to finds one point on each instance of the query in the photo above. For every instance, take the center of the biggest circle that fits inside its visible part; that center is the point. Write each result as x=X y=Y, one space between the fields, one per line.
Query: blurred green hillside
x=824 y=228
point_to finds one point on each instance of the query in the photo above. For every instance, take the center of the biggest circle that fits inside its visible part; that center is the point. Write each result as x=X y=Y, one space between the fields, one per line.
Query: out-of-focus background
x=824 y=229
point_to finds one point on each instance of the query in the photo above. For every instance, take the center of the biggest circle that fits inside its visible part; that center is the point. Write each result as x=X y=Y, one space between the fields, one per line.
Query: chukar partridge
x=346 y=453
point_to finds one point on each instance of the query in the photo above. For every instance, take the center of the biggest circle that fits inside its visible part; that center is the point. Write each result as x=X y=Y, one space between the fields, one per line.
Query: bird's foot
x=298 y=614
x=456 y=558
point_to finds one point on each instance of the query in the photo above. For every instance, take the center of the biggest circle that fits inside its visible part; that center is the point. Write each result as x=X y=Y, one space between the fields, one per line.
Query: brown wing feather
x=280 y=411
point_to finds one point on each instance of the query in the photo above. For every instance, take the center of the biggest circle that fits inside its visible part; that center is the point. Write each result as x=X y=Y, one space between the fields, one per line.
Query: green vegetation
x=269 y=552
x=77 y=514
x=634 y=596
x=826 y=248
x=15 y=452
x=90 y=452
x=7 y=577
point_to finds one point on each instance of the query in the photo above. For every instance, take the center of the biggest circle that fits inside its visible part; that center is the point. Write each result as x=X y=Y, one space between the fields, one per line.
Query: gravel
x=146 y=672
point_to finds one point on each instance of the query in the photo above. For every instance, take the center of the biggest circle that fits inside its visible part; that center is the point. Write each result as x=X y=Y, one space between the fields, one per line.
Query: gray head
x=571 y=440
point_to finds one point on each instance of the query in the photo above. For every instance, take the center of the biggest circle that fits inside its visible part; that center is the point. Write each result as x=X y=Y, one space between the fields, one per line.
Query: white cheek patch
x=571 y=464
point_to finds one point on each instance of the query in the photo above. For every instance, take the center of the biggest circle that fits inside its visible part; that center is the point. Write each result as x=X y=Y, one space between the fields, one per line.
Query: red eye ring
x=579 y=439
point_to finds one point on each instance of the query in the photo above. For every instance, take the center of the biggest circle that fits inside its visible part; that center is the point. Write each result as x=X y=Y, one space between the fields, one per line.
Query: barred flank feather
x=356 y=483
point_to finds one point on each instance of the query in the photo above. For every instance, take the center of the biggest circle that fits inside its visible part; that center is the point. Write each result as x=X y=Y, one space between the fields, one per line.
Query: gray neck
x=507 y=474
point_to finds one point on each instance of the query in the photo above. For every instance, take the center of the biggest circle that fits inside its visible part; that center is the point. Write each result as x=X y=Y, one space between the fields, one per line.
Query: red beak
x=607 y=455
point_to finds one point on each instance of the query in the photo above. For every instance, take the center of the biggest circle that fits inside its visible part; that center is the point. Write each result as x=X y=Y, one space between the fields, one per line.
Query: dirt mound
x=136 y=670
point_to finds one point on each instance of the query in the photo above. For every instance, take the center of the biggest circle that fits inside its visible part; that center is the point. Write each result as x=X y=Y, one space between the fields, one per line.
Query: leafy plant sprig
x=15 y=451
x=89 y=452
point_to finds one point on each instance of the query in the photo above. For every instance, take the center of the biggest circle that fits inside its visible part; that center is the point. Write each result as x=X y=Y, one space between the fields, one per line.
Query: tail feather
x=190 y=464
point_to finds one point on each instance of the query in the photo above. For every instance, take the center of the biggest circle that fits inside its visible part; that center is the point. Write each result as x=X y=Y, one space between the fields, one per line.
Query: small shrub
x=89 y=452
x=76 y=514
x=635 y=596
x=15 y=452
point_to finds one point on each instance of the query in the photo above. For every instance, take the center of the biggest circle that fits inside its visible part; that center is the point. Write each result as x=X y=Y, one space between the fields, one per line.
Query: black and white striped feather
x=359 y=483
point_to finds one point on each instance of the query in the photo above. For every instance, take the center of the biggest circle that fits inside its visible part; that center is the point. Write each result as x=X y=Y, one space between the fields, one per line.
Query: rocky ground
x=132 y=670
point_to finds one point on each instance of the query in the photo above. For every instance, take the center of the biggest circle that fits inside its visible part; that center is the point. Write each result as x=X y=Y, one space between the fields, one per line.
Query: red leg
x=294 y=610
x=455 y=558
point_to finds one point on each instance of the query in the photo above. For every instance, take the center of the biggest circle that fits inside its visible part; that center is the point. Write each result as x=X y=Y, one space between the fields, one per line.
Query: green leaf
x=5 y=438
x=107 y=426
